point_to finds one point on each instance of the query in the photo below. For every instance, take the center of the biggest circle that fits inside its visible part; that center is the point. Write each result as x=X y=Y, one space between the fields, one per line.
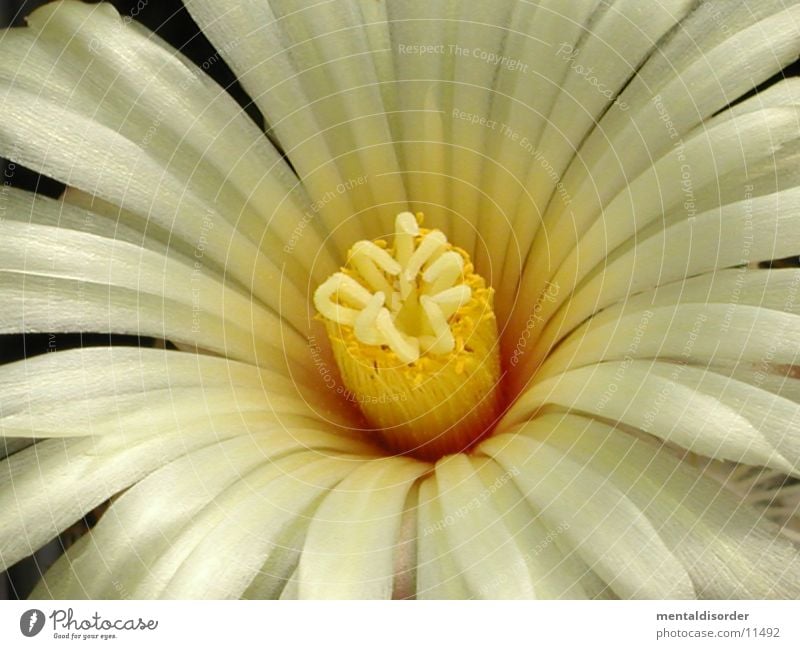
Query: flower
x=602 y=167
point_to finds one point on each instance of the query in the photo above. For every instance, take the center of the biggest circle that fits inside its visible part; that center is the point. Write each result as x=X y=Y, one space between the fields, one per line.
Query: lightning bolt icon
x=32 y=621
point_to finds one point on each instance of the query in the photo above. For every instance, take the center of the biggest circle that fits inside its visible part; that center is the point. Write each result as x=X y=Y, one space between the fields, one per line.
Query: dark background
x=172 y=22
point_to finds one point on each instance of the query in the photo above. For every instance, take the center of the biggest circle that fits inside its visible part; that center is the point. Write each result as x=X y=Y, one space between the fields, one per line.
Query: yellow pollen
x=415 y=337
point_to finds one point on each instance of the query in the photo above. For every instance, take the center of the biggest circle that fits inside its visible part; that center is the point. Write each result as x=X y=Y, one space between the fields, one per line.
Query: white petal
x=109 y=391
x=700 y=334
x=758 y=41
x=499 y=545
x=106 y=267
x=556 y=569
x=608 y=530
x=785 y=92
x=767 y=288
x=142 y=522
x=104 y=160
x=50 y=485
x=769 y=224
x=700 y=411
x=331 y=50
x=700 y=69
x=178 y=116
x=254 y=529
x=595 y=65
x=349 y=551
x=746 y=156
x=438 y=575
x=729 y=549
x=41 y=304
x=479 y=28
x=526 y=89
x=482 y=547
x=310 y=73
x=422 y=99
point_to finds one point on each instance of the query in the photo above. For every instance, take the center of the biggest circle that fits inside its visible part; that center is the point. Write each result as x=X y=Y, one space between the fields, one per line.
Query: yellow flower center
x=415 y=337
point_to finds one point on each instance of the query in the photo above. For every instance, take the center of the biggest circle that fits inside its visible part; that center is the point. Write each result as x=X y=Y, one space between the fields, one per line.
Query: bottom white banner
x=397 y=624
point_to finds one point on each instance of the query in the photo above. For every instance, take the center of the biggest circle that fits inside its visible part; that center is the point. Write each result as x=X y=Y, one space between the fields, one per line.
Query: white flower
x=590 y=158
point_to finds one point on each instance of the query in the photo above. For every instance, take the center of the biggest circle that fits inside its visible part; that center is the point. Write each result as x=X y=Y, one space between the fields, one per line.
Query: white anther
x=395 y=301
x=442 y=341
x=345 y=288
x=372 y=262
x=406 y=347
x=389 y=291
x=364 y=327
x=453 y=298
x=352 y=292
x=432 y=243
x=444 y=272
x=406 y=228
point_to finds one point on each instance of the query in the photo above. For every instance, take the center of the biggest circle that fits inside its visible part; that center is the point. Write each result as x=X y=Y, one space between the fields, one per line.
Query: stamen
x=452 y=299
x=407 y=321
x=413 y=332
x=369 y=261
x=365 y=325
x=406 y=228
x=406 y=347
x=444 y=272
x=345 y=288
x=442 y=341
x=432 y=243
